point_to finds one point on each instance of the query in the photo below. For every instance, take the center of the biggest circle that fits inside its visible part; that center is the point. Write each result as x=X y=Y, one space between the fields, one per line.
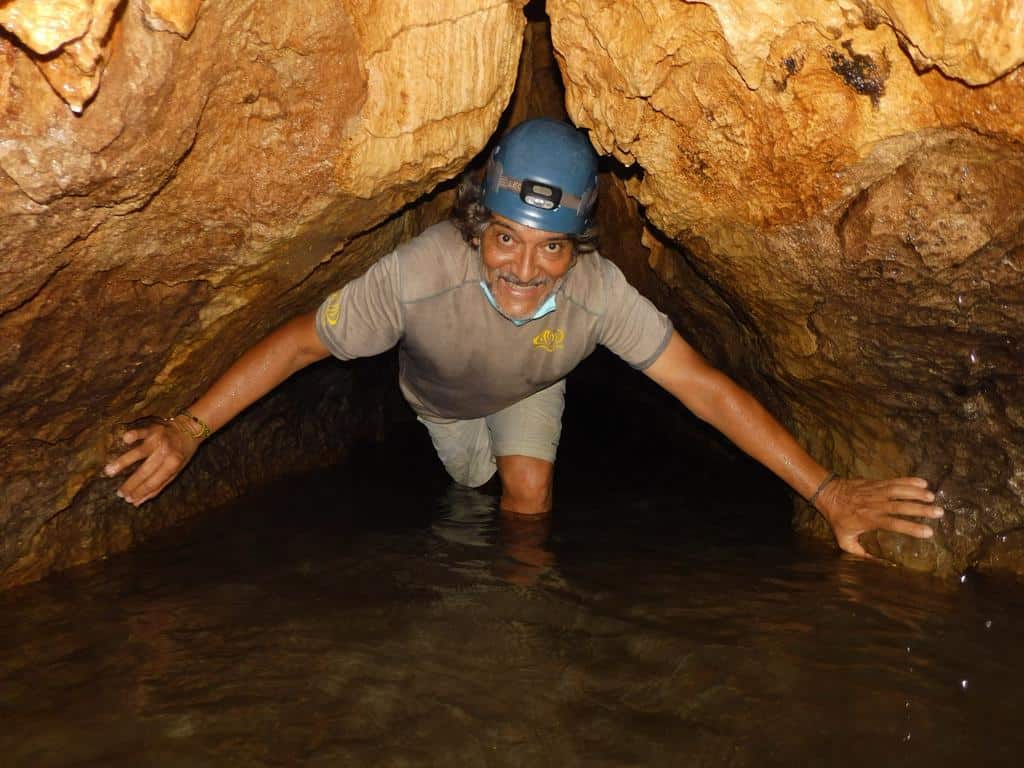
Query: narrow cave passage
x=350 y=605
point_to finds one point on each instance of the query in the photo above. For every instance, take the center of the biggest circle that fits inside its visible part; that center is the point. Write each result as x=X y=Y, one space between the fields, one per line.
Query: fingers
x=892 y=493
x=128 y=491
x=162 y=455
x=909 y=488
x=155 y=483
x=851 y=545
x=919 y=482
x=912 y=509
x=917 y=530
x=905 y=488
x=126 y=460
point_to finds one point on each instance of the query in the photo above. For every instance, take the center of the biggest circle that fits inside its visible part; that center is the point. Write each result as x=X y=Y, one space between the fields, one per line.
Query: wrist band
x=828 y=479
x=202 y=430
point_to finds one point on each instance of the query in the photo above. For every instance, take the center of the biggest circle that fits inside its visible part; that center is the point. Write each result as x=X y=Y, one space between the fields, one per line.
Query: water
x=379 y=616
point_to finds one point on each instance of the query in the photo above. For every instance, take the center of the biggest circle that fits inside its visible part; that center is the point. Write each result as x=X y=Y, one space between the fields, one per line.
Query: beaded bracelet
x=203 y=428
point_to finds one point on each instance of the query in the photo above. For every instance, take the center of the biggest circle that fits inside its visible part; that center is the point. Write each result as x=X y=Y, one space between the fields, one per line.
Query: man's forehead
x=522 y=229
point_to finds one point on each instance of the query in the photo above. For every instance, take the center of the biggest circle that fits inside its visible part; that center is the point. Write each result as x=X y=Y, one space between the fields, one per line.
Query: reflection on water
x=338 y=624
x=516 y=544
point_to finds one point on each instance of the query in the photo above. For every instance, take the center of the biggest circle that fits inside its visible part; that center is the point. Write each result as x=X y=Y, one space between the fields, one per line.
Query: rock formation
x=178 y=178
x=833 y=193
x=846 y=181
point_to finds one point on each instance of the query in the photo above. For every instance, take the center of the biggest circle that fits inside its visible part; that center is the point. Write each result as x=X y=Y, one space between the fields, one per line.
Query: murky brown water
x=359 y=622
x=378 y=617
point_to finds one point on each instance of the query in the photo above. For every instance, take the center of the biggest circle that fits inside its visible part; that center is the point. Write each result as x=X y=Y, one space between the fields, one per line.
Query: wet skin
x=522 y=266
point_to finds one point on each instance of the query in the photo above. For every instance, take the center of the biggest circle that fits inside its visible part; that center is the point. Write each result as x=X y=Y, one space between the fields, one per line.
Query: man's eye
x=555 y=247
x=504 y=238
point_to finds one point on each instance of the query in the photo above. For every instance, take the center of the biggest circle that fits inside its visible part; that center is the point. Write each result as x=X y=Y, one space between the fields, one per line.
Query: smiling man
x=491 y=311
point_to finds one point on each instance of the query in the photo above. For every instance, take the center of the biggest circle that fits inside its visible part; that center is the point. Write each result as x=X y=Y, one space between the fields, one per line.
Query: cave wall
x=832 y=192
x=179 y=177
x=840 y=185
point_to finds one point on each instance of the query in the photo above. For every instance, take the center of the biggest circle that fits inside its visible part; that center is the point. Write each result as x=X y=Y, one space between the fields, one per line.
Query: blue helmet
x=543 y=174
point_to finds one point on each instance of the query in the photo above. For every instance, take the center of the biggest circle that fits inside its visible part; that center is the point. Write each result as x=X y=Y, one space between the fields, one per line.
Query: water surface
x=365 y=619
x=664 y=615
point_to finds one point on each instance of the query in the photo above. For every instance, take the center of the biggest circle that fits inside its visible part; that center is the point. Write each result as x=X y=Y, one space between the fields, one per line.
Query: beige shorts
x=530 y=427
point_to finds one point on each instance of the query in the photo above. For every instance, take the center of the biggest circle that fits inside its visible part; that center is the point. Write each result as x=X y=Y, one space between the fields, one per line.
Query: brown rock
x=178 y=16
x=859 y=218
x=76 y=36
x=218 y=182
x=46 y=25
x=833 y=191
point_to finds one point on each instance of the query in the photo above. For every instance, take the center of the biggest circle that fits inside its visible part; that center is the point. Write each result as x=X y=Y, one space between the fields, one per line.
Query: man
x=491 y=311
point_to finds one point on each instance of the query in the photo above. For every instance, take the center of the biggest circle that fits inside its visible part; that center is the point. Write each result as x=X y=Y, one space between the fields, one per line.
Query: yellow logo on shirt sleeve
x=333 y=309
x=549 y=340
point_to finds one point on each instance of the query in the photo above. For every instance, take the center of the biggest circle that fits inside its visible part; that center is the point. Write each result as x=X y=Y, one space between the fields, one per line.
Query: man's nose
x=526 y=264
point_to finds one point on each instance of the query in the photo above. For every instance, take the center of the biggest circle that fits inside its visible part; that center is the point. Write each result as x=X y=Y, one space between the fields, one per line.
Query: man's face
x=522 y=265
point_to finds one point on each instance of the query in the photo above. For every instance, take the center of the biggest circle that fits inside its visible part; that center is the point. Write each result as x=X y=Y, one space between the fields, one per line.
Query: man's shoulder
x=589 y=282
x=433 y=262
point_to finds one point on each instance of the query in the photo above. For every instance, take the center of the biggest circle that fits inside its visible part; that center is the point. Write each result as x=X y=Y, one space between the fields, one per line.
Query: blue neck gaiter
x=546 y=307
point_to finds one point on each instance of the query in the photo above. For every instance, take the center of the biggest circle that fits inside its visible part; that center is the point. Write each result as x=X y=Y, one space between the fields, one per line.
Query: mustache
x=510 y=278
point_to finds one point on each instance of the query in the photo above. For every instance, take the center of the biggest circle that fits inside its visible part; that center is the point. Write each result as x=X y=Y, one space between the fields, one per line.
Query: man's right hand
x=163 y=450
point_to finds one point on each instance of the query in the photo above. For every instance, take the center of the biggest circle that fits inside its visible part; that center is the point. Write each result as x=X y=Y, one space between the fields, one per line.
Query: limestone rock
x=75 y=34
x=46 y=25
x=178 y=16
x=975 y=41
x=221 y=179
x=858 y=214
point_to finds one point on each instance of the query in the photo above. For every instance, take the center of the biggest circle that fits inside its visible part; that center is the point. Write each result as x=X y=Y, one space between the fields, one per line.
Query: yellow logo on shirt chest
x=549 y=340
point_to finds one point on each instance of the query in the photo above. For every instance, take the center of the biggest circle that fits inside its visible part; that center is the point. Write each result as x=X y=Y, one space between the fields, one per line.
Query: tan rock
x=765 y=132
x=215 y=185
x=835 y=216
x=46 y=25
x=76 y=32
x=178 y=16
x=420 y=97
x=975 y=41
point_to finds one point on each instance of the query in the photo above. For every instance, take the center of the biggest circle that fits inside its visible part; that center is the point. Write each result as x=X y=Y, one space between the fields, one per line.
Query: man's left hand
x=853 y=507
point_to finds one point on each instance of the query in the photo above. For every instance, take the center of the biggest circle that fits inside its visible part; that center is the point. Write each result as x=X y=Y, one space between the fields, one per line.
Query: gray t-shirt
x=459 y=358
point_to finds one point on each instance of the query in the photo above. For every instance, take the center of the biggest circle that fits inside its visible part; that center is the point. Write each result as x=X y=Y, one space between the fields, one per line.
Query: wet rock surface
x=829 y=194
x=227 y=163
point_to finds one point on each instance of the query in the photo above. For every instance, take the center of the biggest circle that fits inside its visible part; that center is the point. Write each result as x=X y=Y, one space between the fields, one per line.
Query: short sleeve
x=631 y=326
x=364 y=317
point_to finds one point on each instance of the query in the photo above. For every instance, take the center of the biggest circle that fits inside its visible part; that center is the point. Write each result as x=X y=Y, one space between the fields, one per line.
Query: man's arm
x=165 y=450
x=851 y=507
